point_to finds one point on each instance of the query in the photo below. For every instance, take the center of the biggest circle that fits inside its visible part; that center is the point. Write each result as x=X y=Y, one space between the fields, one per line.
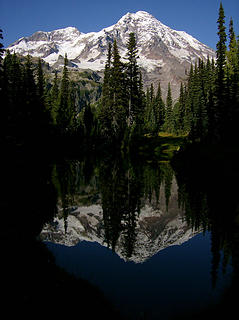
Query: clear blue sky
x=20 y=18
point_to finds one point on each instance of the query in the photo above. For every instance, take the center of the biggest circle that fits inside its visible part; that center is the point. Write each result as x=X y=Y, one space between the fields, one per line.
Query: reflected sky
x=174 y=280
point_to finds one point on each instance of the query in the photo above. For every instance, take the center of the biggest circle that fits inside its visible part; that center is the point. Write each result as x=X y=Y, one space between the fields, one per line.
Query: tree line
x=208 y=105
x=207 y=108
x=210 y=100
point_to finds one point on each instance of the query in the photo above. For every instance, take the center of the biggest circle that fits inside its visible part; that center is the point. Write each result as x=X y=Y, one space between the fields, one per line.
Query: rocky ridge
x=164 y=54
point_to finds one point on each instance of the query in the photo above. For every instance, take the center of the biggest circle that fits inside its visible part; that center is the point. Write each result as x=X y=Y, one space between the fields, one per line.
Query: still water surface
x=172 y=282
x=142 y=234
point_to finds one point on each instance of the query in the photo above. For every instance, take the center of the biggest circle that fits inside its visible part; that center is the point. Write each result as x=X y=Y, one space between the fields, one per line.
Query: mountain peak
x=164 y=53
x=139 y=15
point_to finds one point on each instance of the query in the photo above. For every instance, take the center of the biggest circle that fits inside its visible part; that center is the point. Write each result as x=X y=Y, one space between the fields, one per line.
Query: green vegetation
x=74 y=106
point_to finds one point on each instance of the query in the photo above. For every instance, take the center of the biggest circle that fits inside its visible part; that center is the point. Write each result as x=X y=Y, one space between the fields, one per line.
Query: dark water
x=174 y=281
x=134 y=238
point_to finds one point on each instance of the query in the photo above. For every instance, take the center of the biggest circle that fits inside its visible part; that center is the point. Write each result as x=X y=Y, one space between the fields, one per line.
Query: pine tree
x=181 y=110
x=40 y=82
x=1 y=87
x=168 y=125
x=221 y=74
x=44 y=115
x=132 y=80
x=1 y=46
x=54 y=98
x=159 y=109
x=150 y=120
x=141 y=103
x=73 y=108
x=88 y=120
x=64 y=115
x=106 y=106
x=120 y=107
x=29 y=106
x=233 y=68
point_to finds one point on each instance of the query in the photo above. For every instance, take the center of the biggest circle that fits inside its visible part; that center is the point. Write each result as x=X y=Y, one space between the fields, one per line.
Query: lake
x=144 y=238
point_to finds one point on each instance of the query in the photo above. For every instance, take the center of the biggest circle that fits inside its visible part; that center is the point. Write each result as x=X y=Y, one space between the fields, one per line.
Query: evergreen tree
x=120 y=108
x=147 y=110
x=159 y=109
x=211 y=106
x=106 y=106
x=54 y=98
x=168 y=125
x=73 y=108
x=88 y=120
x=181 y=110
x=11 y=84
x=40 y=82
x=150 y=122
x=1 y=83
x=222 y=114
x=141 y=103
x=233 y=66
x=64 y=115
x=132 y=78
x=44 y=114
x=1 y=46
x=29 y=104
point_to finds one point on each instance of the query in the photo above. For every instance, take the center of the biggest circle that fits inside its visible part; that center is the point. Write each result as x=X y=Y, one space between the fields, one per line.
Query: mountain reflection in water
x=158 y=224
x=136 y=210
x=117 y=223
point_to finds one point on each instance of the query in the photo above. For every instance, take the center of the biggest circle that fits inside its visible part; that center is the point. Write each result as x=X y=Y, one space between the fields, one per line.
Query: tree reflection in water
x=207 y=194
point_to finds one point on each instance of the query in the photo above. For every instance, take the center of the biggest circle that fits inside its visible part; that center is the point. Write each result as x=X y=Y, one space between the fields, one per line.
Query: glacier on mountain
x=164 y=54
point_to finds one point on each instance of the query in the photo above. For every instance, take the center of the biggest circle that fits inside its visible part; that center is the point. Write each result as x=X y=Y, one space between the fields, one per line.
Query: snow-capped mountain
x=156 y=228
x=164 y=53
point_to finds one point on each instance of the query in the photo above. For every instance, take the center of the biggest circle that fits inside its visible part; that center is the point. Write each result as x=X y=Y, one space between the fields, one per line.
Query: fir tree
x=64 y=115
x=40 y=82
x=181 y=110
x=44 y=115
x=1 y=83
x=168 y=125
x=159 y=109
x=150 y=122
x=106 y=107
x=233 y=67
x=221 y=73
x=1 y=46
x=29 y=105
x=54 y=98
x=132 y=78
x=141 y=103
x=88 y=120
x=12 y=95
x=120 y=108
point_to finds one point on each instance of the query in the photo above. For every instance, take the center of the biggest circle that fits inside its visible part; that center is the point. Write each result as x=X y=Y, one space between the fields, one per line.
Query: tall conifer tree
x=221 y=76
x=120 y=108
x=169 y=111
x=132 y=76
x=160 y=108
x=106 y=111
x=1 y=46
x=64 y=112
x=54 y=98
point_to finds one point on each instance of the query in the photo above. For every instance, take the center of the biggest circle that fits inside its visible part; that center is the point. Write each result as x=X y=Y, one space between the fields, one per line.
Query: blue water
x=174 y=281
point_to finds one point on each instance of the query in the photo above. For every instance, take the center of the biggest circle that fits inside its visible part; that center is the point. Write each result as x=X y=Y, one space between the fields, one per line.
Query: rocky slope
x=164 y=54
